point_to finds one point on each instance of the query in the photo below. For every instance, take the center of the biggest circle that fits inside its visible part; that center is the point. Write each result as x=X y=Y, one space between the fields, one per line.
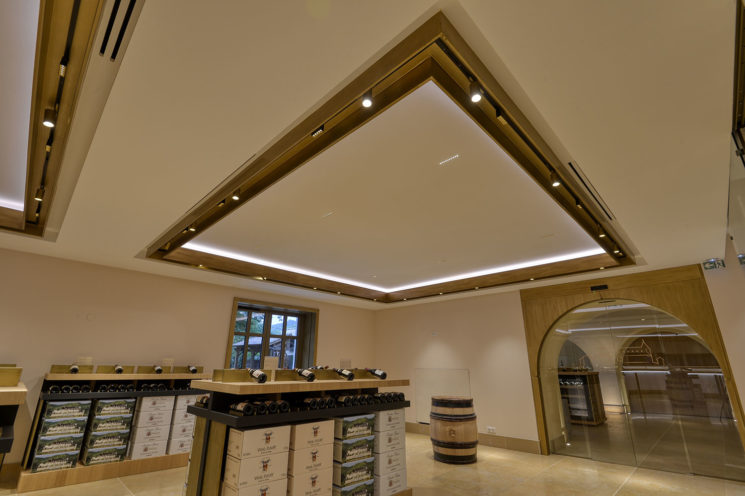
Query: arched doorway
x=625 y=382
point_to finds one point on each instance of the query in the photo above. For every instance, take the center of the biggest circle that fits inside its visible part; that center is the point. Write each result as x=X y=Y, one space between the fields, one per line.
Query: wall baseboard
x=504 y=442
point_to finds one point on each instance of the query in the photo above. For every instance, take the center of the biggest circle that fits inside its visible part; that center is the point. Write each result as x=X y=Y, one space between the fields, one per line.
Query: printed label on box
x=183 y=401
x=349 y=473
x=311 y=459
x=107 y=439
x=152 y=418
x=56 y=461
x=388 y=485
x=121 y=406
x=357 y=426
x=366 y=488
x=59 y=444
x=255 y=442
x=353 y=449
x=156 y=403
x=67 y=409
x=271 y=488
x=57 y=427
x=103 y=423
x=182 y=431
x=390 y=440
x=96 y=456
x=251 y=471
x=148 y=449
x=150 y=434
x=390 y=419
x=391 y=461
x=179 y=446
x=312 y=434
x=182 y=417
x=310 y=483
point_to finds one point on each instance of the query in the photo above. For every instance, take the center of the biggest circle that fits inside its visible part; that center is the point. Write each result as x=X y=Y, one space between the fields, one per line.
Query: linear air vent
x=110 y=28
x=590 y=190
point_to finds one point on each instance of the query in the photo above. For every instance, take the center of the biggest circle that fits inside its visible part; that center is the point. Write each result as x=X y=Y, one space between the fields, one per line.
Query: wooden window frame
x=306 y=340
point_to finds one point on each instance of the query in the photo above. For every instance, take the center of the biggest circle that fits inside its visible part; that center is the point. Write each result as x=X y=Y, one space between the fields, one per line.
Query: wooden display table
x=210 y=433
x=11 y=397
x=30 y=481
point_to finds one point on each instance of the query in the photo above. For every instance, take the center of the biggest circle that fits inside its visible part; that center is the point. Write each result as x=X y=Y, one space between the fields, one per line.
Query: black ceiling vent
x=115 y=12
x=590 y=190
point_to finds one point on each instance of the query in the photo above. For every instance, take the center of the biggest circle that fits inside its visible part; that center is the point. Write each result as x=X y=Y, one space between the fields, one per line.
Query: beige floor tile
x=645 y=482
x=164 y=483
x=110 y=487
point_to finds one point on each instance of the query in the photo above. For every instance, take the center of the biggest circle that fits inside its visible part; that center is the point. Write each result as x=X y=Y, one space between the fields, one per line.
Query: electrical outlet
x=490 y=429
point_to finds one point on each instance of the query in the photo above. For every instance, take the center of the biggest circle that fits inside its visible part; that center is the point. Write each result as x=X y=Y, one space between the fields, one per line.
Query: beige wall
x=484 y=334
x=727 y=289
x=52 y=311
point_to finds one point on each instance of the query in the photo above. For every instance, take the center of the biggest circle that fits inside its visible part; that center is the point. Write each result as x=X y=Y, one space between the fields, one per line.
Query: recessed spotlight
x=264 y=278
x=50 y=118
x=532 y=278
x=578 y=204
x=201 y=266
x=375 y=299
x=404 y=299
x=555 y=181
x=440 y=293
x=449 y=159
x=221 y=204
x=601 y=233
x=236 y=195
x=367 y=100
x=338 y=292
x=192 y=228
x=315 y=288
x=476 y=287
x=327 y=214
x=39 y=196
x=475 y=91
x=601 y=268
x=616 y=250
x=317 y=132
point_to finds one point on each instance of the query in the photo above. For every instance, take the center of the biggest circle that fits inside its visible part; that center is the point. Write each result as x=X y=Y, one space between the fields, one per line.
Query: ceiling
x=638 y=93
x=380 y=209
x=18 y=25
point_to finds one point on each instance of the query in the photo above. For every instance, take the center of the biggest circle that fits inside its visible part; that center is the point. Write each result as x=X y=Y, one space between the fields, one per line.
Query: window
x=260 y=329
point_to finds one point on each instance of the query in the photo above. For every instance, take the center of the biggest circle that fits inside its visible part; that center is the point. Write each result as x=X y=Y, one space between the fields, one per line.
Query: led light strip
x=493 y=270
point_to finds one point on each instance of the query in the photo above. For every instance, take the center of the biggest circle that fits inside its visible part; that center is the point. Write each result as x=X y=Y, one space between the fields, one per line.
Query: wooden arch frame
x=681 y=292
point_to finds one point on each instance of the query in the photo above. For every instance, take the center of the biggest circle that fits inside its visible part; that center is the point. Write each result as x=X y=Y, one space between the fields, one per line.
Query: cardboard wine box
x=150 y=434
x=311 y=434
x=388 y=485
x=97 y=456
x=182 y=445
x=251 y=471
x=390 y=440
x=103 y=423
x=182 y=417
x=182 y=431
x=54 y=461
x=58 y=427
x=67 y=409
x=271 y=488
x=120 y=406
x=59 y=444
x=147 y=449
x=152 y=418
x=156 y=403
x=355 y=426
x=255 y=442
x=310 y=483
x=390 y=461
x=366 y=488
x=311 y=459
x=346 y=474
x=182 y=401
x=107 y=439
x=346 y=450
x=389 y=420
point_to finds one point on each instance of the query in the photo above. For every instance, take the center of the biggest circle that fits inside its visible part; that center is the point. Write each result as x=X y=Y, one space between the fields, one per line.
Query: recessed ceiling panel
x=419 y=193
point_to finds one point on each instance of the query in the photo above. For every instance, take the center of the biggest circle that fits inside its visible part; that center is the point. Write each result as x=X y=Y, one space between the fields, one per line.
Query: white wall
x=53 y=310
x=484 y=334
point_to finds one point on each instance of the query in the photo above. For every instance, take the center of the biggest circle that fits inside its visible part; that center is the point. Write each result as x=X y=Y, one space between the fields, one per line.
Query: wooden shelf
x=29 y=481
x=13 y=395
x=291 y=417
x=123 y=377
x=247 y=388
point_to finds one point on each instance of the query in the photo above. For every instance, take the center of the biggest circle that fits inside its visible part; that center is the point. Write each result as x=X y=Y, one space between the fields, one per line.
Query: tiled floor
x=498 y=472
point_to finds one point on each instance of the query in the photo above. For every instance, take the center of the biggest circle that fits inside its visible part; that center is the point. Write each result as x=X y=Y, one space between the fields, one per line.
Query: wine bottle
x=102 y=388
x=245 y=408
x=131 y=387
x=74 y=369
x=158 y=369
x=258 y=375
x=85 y=388
x=113 y=388
x=66 y=389
x=192 y=369
x=321 y=403
x=284 y=406
x=346 y=374
x=54 y=389
x=162 y=387
x=122 y=388
x=310 y=403
x=306 y=374
x=380 y=374
x=330 y=402
x=260 y=407
x=379 y=397
x=271 y=406
x=118 y=369
x=400 y=397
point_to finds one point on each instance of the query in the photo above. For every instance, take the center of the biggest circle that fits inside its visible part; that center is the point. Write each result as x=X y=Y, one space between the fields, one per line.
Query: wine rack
x=581 y=391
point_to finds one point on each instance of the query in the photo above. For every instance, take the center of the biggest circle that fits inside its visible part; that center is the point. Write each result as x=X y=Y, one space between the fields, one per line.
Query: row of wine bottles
x=264 y=407
x=119 y=369
x=111 y=388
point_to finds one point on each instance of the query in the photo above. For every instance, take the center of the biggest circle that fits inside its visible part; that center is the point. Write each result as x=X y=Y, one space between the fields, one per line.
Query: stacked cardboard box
x=257 y=462
x=108 y=433
x=61 y=430
x=390 y=452
x=310 y=469
x=152 y=426
x=182 y=426
x=354 y=462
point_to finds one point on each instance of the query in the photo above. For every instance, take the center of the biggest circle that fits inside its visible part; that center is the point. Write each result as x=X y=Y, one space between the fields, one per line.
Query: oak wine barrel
x=452 y=427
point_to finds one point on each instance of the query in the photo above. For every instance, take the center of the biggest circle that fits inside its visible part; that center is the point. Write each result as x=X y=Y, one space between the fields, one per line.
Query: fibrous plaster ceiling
x=638 y=93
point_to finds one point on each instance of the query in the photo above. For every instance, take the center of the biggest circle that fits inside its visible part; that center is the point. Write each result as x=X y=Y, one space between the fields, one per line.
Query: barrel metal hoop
x=452 y=418
x=452 y=403
x=455 y=459
x=445 y=444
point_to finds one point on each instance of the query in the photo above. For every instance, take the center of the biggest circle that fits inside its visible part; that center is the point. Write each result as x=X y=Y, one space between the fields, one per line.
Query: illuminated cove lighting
x=493 y=270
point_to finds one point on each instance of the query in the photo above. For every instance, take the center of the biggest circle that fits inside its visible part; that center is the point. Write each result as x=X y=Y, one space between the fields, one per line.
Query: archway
x=625 y=382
